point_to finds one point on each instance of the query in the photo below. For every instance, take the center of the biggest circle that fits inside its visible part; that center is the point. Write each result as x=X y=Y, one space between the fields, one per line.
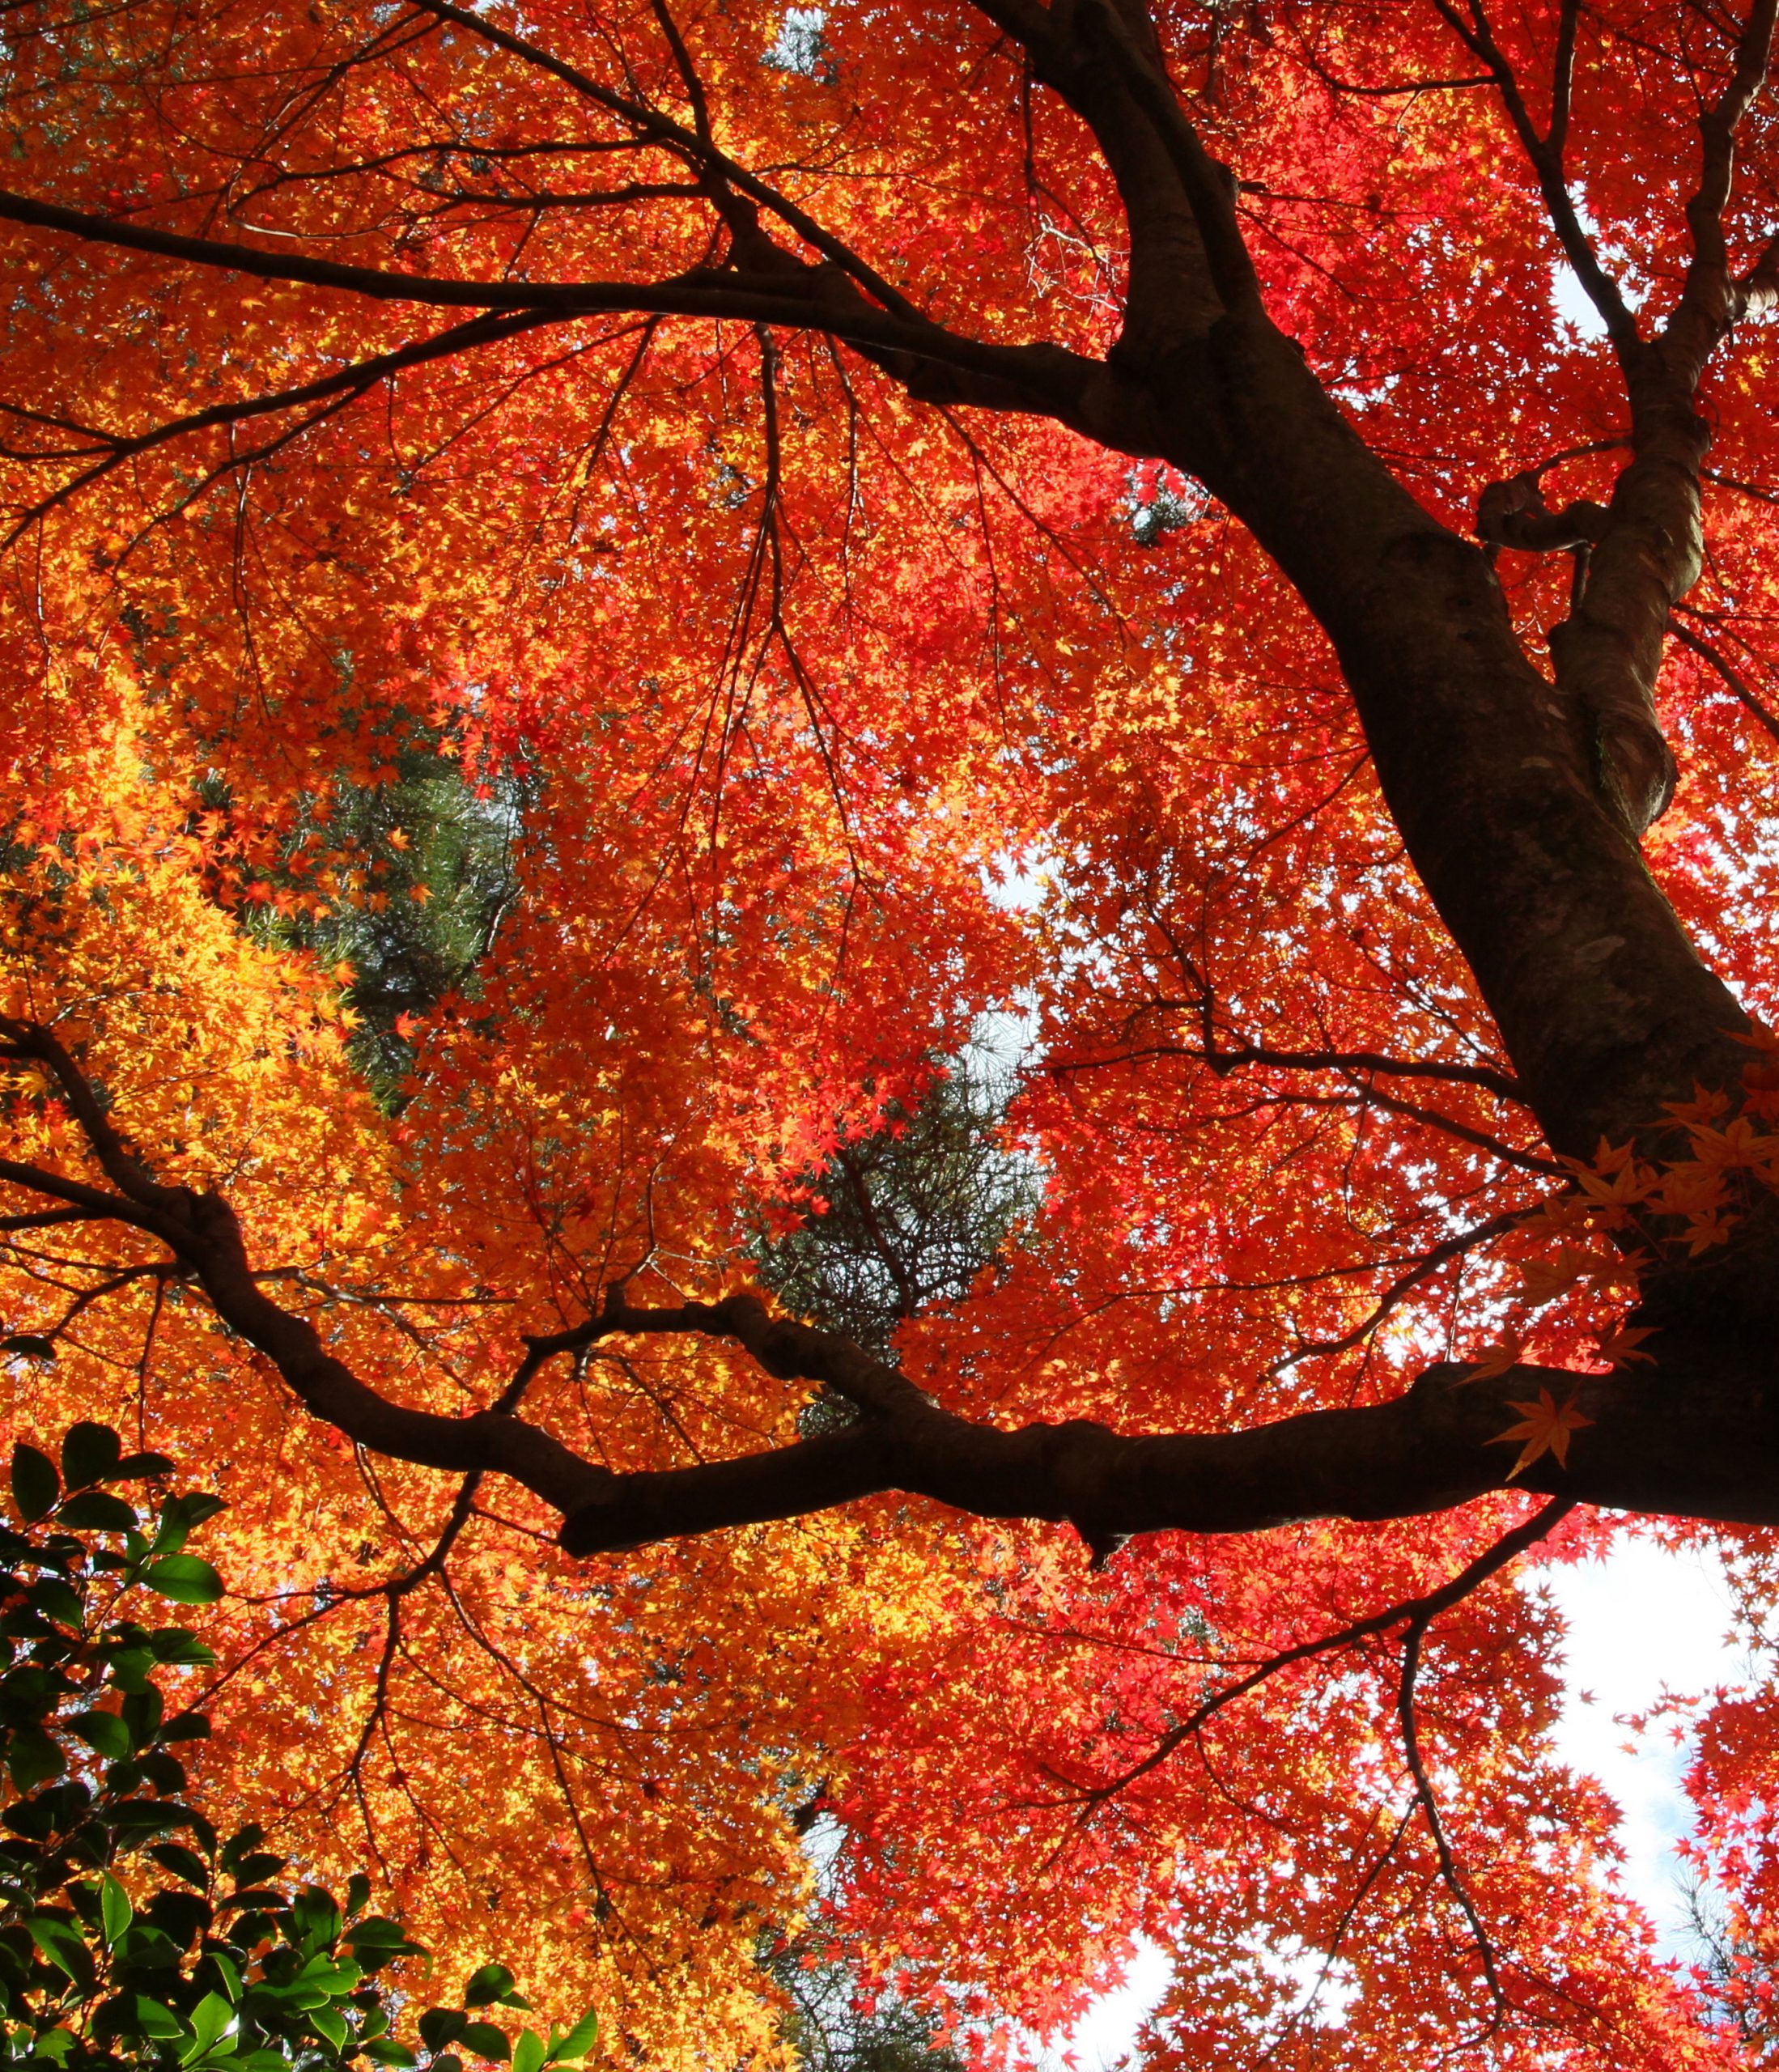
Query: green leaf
x=33 y=1758
x=145 y=1946
x=238 y=1844
x=97 y=1510
x=358 y=1891
x=250 y=1869
x=57 y=1599
x=570 y=2048
x=325 y=1978
x=115 y=1910
x=64 y=1947
x=211 y=2020
x=26 y=1345
x=54 y=2045
x=134 y=1467
x=316 y=1917
x=132 y=1669
x=181 y=1517
x=90 y=1453
x=385 y=2050
x=227 y=1972
x=328 y=2022
x=377 y=1931
x=440 y=2026
x=376 y=1943
x=181 y=1648
x=105 y=1731
x=186 y=1727
x=487 y=2041
x=183 y=1862
x=491 y=1983
x=527 y=2053
x=36 y=1488
x=145 y=1816
x=141 y=1713
x=185 y=1578
x=154 y=2020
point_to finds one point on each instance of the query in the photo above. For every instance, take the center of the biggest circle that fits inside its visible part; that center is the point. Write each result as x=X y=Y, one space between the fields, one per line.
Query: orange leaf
x=1497 y=1355
x=1621 y=1345
x=1545 y=1429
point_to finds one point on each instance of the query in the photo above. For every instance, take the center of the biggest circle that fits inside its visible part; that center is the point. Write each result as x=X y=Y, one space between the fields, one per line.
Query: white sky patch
x=1645 y=1622
x=1573 y=305
x=1101 y=2041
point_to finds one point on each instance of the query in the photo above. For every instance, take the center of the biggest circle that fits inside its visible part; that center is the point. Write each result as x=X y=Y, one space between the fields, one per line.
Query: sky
x=1645 y=1622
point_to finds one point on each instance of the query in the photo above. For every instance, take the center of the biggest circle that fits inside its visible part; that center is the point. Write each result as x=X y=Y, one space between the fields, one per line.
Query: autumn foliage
x=1166 y=541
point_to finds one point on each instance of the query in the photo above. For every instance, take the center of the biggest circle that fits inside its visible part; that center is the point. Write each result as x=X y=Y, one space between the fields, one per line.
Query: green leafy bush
x=210 y=1959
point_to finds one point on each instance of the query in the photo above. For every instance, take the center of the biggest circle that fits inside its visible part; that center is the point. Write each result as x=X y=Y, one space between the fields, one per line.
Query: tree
x=837 y=2025
x=432 y=855
x=911 y=1215
x=1188 y=520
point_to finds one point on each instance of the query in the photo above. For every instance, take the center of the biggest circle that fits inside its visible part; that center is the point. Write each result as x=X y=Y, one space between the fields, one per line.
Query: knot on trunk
x=1634 y=770
x=1514 y=514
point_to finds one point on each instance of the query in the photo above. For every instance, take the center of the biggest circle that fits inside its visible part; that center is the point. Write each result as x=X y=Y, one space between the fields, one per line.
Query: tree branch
x=1732 y=676
x=1419 y=1613
x=1043 y=377
x=1230 y=1058
x=115 y=449
x=1434 y=1447
x=695 y=146
x=1545 y=154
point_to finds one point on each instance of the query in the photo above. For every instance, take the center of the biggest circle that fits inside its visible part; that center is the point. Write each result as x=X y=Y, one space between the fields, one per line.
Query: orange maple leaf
x=1545 y=1429
x=1706 y=1105
x=1496 y=1357
x=1619 y=1346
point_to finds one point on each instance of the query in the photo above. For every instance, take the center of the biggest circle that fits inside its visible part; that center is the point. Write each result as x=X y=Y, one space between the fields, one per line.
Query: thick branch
x=1545 y=154
x=1694 y=1437
x=1436 y=1446
x=1044 y=378
x=1710 y=301
x=1650 y=549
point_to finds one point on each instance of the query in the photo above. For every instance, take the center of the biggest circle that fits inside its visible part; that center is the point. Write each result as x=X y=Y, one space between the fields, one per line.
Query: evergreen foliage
x=908 y=1218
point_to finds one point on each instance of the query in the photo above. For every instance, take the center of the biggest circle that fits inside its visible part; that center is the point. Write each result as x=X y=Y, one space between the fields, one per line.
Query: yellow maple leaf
x=1545 y=1429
